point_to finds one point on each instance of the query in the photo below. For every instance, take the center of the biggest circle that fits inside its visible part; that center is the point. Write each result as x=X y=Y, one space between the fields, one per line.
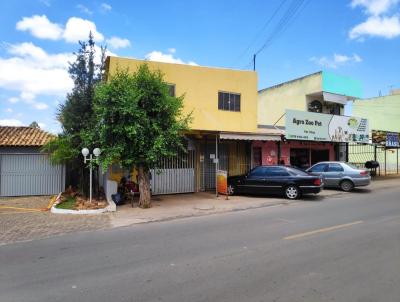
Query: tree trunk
x=144 y=187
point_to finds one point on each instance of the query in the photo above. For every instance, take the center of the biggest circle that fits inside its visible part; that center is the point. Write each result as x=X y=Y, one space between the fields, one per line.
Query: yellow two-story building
x=223 y=104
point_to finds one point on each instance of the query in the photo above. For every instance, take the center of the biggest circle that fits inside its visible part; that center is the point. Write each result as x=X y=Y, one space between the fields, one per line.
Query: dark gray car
x=341 y=175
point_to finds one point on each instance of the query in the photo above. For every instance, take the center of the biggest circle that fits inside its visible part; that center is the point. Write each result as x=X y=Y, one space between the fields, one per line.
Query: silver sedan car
x=341 y=175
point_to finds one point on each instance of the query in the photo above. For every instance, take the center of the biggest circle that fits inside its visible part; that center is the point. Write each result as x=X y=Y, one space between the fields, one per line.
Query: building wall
x=200 y=86
x=272 y=102
x=383 y=113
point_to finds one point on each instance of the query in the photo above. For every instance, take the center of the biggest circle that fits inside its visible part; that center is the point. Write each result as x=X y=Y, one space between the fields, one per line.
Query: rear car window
x=352 y=166
x=335 y=168
x=276 y=171
x=295 y=171
x=319 y=168
x=258 y=171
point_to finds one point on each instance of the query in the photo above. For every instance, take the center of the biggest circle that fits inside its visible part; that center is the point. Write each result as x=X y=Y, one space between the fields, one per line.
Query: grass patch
x=68 y=204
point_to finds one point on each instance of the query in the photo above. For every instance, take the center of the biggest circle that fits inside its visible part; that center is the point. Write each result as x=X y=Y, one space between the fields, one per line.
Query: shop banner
x=222 y=182
x=311 y=126
x=385 y=138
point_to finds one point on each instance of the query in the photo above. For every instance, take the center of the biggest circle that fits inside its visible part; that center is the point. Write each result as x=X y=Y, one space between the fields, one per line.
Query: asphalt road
x=344 y=248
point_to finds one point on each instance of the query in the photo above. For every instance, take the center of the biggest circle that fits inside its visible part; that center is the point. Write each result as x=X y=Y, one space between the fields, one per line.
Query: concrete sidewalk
x=167 y=207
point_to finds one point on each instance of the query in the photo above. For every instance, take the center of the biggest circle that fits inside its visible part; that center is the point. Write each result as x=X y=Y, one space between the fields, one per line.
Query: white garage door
x=30 y=174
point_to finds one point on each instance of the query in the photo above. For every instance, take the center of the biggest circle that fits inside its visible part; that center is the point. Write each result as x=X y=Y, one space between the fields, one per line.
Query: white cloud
x=40 y=27
x=13 y=100
x=166 y=57
x=172 y=50
x=379 y=23
x=105 y=7
x=374 y=7
x=32 y=71
x=10 y=122
x=28 y=97
x=116 y=42
x=40 y=105
x=336 y=60
x=9 y=110
x=78 y=29
x=84 y=9
x=75 y=29
x=384 y=27
x=42 y=125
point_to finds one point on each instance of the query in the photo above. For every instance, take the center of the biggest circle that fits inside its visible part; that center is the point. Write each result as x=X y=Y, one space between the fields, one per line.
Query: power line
x=283 y=23
x=290 y=15
x=255 y=38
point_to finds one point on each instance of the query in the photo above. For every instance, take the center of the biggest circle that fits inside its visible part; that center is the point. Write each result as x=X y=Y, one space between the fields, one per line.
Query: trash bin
x=372 y=165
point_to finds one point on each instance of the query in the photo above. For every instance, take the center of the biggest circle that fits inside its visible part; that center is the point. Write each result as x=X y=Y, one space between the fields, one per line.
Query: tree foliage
x=76 y=113
x=34 y=124
x=138 y=123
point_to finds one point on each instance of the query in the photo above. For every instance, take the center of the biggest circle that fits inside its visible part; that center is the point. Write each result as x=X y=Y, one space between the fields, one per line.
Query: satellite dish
x=315 y=106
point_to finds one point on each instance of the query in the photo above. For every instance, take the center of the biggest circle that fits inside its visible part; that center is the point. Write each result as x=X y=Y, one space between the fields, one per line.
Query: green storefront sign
x=310 y=126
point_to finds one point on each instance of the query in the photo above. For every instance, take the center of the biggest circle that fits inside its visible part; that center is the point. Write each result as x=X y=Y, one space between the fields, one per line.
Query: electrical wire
x=283 y=24
x=292 y=12
x=255 y=38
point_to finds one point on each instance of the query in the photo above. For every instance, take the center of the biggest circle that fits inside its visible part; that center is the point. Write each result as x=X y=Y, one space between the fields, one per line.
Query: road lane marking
x=323 y=230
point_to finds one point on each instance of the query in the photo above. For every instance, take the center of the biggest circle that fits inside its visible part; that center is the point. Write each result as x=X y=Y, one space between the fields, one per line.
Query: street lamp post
x=85 y=153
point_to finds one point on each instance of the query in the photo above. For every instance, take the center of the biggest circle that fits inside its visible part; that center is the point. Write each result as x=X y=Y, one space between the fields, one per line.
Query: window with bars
x=228 y=101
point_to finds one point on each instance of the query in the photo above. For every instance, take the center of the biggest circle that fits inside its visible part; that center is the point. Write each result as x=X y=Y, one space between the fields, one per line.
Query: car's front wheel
x=292 y=192
x=231 y=189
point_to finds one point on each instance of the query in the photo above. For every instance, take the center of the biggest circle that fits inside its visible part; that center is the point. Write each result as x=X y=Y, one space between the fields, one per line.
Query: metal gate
x=174 y=175
x=30 y=174
x=389 y=159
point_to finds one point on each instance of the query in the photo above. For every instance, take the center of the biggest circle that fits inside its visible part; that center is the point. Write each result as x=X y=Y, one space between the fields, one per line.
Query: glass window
x=352 y=166
x=319 y=168
x=229 y=101
x=220 y=101
x=295 y=171
x=335 y=168
x=276 y=172
x=171 y=89
x=258 y=171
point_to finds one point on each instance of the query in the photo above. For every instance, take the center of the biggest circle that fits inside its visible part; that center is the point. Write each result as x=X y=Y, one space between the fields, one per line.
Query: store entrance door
x=300 y=157
x=319 y=155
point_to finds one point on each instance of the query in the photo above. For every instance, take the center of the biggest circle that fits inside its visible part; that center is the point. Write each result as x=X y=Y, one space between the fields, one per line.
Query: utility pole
x=254 y=62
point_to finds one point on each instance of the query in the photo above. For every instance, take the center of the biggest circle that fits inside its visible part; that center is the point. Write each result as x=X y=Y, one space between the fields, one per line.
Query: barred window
x=228 y=101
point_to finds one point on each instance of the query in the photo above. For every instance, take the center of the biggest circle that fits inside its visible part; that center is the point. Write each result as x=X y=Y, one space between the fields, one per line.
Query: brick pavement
x=16 y=225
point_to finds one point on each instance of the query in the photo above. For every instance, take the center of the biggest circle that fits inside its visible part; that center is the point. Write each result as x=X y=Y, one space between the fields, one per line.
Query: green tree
x=76 y=113
x=34 y=124
x=138 y=123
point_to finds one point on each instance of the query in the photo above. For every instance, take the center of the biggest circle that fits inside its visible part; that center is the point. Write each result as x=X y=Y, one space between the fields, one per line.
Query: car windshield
x=296 y=171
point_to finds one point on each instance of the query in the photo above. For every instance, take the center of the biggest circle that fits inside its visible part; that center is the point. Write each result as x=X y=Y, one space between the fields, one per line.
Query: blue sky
x=357 y=38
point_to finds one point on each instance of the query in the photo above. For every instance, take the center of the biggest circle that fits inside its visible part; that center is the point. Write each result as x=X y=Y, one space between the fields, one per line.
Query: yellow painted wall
x=383 y=113
x=200 y=86
x=272 y=102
